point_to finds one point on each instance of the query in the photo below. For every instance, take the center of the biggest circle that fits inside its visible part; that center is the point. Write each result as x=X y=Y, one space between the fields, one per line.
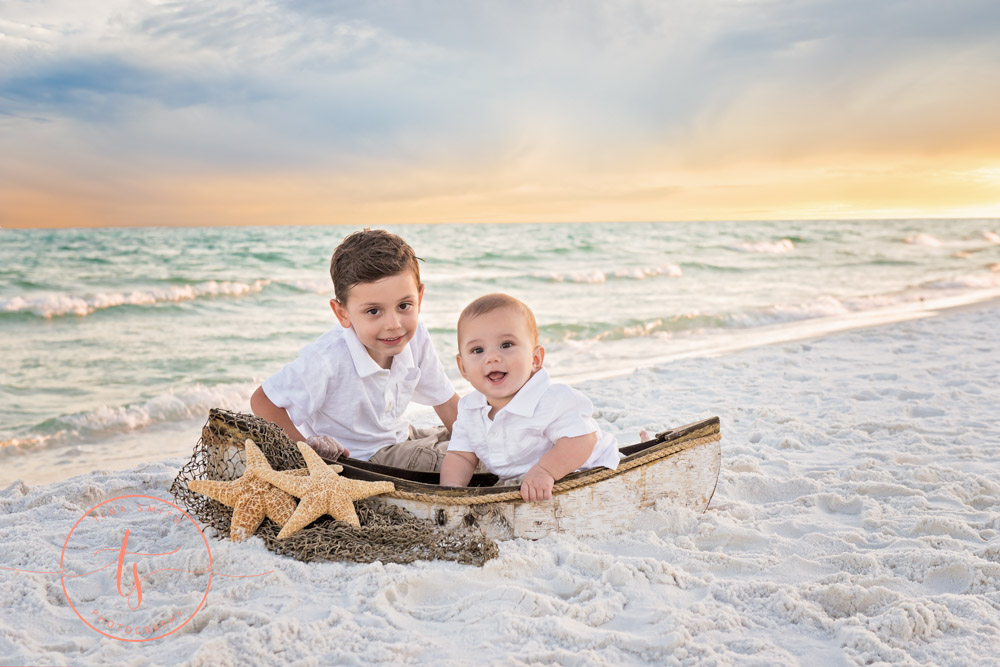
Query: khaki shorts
x=423 y=450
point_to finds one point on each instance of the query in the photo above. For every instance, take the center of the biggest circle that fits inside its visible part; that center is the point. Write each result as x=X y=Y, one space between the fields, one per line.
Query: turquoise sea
x=114 y=343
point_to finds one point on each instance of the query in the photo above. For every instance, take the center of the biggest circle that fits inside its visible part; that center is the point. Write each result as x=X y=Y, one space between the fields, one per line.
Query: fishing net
x=388 y=533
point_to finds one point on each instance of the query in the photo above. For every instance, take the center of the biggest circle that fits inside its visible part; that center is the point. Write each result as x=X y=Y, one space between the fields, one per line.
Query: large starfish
x=251 y=496
x=323 y=492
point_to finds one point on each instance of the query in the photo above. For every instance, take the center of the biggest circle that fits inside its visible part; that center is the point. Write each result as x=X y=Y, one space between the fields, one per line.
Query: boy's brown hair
x=367 y=256
x=490 y=302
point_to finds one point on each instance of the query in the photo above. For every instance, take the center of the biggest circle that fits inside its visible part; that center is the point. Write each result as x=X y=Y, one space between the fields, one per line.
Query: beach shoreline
x=121 y=451
x=855 y=521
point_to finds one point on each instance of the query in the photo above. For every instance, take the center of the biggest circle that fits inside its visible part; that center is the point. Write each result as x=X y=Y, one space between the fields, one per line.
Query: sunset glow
x=140 y=113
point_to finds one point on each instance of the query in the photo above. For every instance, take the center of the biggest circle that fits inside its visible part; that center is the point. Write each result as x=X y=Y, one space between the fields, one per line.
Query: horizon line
x=511 y=222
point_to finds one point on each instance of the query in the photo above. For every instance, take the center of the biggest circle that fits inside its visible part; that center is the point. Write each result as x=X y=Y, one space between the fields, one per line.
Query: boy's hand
x=327 y=447
x=537 y=485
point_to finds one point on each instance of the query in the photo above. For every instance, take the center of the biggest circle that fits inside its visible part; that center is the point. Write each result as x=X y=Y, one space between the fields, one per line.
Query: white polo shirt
x=526 y=428
x=335 y=388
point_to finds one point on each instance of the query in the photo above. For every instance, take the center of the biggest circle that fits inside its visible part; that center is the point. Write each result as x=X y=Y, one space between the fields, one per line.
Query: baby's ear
x=537 y=357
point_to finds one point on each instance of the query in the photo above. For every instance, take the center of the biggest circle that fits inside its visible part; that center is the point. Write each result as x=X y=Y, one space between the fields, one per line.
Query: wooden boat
x=679 y=466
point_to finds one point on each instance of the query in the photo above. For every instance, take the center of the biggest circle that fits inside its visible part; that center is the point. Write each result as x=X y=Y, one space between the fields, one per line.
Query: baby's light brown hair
x=367 y=256
x=490 y=302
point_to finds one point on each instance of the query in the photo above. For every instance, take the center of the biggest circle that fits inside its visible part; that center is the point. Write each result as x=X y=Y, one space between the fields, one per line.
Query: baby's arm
x=457 y=468
x=447 y=412
x=567 y=455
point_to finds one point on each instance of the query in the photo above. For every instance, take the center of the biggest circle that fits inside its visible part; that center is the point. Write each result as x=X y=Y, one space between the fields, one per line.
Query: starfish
x=323 y=492
x=251 y=496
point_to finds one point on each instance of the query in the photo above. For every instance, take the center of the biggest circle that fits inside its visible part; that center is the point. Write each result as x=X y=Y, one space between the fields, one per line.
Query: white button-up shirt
x=528 y=426
x=335 y=388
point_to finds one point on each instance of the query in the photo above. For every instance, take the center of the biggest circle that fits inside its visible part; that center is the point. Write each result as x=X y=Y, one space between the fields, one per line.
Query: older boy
x=346 y=392
x=522 y=427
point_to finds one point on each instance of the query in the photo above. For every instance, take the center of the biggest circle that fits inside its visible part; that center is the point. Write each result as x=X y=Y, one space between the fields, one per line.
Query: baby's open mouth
x=496 y=377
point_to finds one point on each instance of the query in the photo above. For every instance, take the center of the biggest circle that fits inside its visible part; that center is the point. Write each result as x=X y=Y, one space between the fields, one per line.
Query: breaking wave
x=106 y=420
x=57 y=305
x=983 y=284
x=594 y=277
x=922 y=239
x=765 y=247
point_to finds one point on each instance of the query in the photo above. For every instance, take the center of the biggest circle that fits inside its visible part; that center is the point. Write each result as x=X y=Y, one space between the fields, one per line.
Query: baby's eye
x=506 y=344
x=476 y=350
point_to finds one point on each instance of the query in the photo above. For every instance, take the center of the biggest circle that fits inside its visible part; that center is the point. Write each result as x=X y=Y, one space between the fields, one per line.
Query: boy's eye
x=373 y=311
x=405 y=306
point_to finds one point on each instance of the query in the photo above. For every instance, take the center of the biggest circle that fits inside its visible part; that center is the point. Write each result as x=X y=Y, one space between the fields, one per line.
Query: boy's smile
x=383 y=313
x=497 y=355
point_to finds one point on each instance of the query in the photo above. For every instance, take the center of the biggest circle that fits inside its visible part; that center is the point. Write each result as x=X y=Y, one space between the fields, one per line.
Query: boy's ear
x=537 y=356
x=420 y=296
x=340 y=310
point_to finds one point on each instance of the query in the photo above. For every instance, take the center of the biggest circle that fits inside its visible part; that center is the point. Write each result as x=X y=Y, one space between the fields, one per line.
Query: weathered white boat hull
x=687 y=478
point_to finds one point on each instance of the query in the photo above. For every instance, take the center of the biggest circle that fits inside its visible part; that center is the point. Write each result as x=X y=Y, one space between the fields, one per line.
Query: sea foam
x=55 y=305
x=596 y=276
x=174 y=406
x=922 y=239
x=765 y=247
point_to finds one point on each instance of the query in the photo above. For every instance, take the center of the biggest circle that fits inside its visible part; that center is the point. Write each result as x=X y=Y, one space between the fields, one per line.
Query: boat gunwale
x=670 y=438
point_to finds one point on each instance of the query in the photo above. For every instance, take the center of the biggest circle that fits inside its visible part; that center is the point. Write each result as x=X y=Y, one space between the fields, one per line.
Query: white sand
x=857 y=520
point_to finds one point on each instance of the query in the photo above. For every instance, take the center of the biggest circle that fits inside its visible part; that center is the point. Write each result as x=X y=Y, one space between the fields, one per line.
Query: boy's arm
x=567 y=455
x=447 y=412
x=265 y=409
x=324 y=445
x=457 y=468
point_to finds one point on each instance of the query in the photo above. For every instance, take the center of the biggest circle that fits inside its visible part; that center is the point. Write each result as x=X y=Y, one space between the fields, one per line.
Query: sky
x=135 y=112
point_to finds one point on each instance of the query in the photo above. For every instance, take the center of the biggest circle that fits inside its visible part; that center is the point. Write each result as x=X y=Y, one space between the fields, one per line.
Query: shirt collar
x=523 y=403
x=474 y=401
x=363 y=362
x=526 y=399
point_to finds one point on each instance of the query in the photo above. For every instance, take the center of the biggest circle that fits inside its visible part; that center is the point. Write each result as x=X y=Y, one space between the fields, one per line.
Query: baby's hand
x=327 y=447
x=537 y=485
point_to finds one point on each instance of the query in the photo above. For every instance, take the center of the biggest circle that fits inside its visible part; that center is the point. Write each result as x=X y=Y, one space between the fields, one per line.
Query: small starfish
x=251 y=496
x=323 y=492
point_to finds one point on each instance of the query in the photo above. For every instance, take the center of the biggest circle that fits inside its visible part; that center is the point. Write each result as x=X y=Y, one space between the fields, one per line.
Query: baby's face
x=497 y=354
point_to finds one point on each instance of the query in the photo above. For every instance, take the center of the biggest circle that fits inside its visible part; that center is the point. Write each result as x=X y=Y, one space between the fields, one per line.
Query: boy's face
x=383 y=314
x=497 y=354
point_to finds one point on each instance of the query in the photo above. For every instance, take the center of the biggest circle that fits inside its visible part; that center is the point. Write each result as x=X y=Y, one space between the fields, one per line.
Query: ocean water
x=114 y=343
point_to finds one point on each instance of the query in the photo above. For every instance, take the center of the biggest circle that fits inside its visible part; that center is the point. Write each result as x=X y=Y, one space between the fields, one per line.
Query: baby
x=517 y=423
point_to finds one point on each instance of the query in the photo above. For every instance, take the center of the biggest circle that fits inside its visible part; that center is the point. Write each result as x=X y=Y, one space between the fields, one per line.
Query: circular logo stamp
x=133 y=570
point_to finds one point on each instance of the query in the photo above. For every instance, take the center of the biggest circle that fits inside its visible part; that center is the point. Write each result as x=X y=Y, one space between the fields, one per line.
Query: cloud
x=464 y=94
